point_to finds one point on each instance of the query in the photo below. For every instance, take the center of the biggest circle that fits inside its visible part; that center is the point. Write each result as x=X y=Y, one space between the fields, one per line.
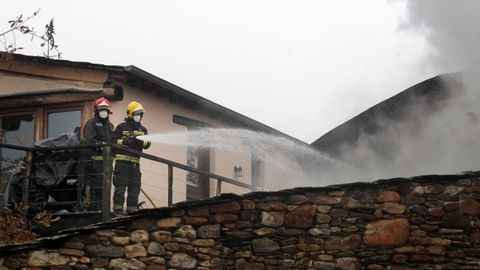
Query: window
x=62 y=121
x=17 y=129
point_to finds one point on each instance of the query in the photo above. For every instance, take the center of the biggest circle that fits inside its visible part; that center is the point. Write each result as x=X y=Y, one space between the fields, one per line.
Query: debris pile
x=13 y=228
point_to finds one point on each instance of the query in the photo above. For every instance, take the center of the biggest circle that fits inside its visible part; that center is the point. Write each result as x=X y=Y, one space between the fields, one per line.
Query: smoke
x=440 y=138
x=451 y=29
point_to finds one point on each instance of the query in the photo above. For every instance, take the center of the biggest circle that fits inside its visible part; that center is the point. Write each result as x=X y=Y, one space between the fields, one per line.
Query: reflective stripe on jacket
x=127 y=158
x=121 y=136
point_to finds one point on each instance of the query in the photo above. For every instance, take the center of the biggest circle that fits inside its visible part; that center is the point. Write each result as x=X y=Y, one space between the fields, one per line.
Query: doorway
x=198 y=186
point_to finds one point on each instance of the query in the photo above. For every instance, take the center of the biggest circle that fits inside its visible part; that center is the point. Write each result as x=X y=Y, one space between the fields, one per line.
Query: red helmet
x=102 y=103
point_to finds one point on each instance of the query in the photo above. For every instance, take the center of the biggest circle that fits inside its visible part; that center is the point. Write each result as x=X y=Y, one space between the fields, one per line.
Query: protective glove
x=130 y=139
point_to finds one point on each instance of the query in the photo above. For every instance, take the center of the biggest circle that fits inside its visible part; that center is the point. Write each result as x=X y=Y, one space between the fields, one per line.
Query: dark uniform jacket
x=98 y=130
x=123 y=135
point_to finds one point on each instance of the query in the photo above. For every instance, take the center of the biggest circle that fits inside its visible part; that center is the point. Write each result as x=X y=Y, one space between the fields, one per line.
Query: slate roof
x=431 y=92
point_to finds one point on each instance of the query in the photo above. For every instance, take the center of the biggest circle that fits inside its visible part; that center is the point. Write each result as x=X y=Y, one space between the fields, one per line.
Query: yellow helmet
x=134 y=107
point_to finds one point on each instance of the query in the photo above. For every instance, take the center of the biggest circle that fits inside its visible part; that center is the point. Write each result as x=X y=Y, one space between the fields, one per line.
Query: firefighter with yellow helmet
x=127 y=175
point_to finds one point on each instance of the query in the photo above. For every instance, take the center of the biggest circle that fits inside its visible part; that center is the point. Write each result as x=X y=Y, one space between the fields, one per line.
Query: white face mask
x=137 y=118
x=103 y=114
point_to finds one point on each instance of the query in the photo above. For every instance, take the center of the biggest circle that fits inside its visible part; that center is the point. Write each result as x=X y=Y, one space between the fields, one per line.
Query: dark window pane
x=19 y=130
x=62 y=122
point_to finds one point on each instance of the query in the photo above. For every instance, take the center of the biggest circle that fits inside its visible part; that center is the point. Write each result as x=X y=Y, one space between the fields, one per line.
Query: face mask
x=103 y=114
x=137 y=118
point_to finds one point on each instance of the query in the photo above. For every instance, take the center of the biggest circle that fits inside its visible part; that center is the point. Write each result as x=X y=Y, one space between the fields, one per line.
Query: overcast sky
x=301 y=67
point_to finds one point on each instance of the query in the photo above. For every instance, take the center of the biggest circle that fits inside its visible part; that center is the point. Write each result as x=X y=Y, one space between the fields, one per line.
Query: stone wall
x=428 y=222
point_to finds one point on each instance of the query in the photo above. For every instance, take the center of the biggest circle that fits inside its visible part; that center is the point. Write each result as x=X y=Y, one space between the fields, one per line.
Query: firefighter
x=127 y=175
x=97 y=130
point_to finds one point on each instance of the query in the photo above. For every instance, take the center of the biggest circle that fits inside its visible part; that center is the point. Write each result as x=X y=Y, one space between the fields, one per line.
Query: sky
x=301 y=67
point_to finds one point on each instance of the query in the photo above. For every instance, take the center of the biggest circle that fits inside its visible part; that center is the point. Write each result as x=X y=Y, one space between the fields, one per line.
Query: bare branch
x=19 y=25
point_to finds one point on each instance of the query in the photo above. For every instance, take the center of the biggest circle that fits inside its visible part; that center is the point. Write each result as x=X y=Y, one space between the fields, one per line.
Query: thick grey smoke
x=429 y=140
x=451 y=28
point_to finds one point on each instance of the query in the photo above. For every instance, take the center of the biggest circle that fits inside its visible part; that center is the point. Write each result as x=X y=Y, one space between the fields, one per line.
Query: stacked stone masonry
x=391 y=224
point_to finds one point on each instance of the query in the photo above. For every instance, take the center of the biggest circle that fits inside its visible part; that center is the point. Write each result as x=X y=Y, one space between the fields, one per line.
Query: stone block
x=156 y=267
x=455 y=220
x=199 y=211
x=136 y=250
x=272 y=219
x=219 y=218
x=394 y=208
x=388 y=196
x=248 y=204
x=106 y=233
x=272 y=206
x=347 y=243
x=161 y=236
x=74 y=245
x=300 y=218
x=308 y=247
x=388 y=232
x=155 y=248
x=250 y=215
x=195 y=220
x=121 y=263
x=348 y=263
x=225 y=207
x=204 y=242
x=325 y=200
x=42 y=257
x=323 y=218
x=238 y=235
x=296 y=199
x=264 y=245
x=120 y=240
x=105 y=251
x=71 y=252
x=139 y=236
x=265 y=231
x=412 y=199
x=470 y=207
x=323 y=265
x=183 y=261
x=172 y=246
x=186 y=231
x=433 y=189
x=169 y=222
x=209 y=231
x=436 y=250
x=350 y=203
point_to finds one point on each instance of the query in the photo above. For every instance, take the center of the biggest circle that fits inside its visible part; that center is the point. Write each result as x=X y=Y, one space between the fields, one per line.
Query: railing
x=108 y=171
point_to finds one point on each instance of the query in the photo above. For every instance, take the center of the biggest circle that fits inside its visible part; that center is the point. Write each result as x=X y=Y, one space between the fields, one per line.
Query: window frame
x=40 y=114
x=61 y=108
x=17 y=112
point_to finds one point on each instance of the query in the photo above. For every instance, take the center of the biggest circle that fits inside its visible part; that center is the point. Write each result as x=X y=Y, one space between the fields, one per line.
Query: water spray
x=274 y=150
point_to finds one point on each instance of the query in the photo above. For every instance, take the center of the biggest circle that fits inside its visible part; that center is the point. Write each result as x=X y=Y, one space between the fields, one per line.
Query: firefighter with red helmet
x=127 y=175
x=97 y=130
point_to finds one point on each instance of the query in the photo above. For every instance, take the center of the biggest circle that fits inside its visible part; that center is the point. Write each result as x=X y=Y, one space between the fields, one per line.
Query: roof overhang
x=55 y=96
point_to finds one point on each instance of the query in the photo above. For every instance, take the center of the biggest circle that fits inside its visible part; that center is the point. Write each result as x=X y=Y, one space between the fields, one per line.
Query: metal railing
x=108 y=149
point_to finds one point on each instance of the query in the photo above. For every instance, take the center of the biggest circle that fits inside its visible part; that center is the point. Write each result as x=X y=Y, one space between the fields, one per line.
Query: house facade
x=43 y=98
